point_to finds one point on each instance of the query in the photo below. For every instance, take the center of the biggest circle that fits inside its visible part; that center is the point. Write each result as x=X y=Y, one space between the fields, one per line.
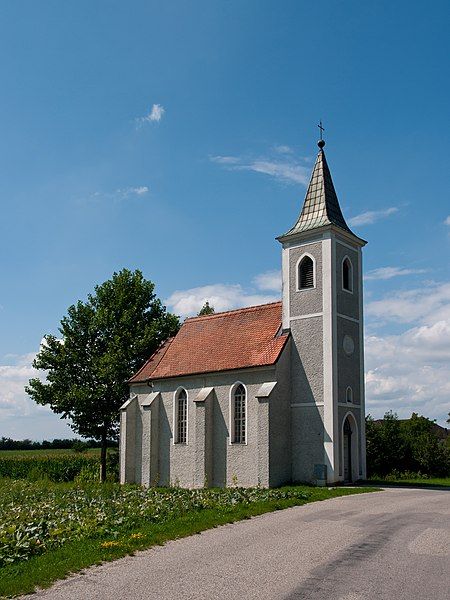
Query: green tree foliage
x=206 y=309
x=102 y=342
x=410 y=445
x=385 y=448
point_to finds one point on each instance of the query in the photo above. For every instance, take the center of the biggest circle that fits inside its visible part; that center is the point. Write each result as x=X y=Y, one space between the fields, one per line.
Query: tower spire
x=321 y=205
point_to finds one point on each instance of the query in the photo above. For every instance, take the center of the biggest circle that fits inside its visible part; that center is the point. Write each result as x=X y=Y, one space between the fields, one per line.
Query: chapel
x=269 y=394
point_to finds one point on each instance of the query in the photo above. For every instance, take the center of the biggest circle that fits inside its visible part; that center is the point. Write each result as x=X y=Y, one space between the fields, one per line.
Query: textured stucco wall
x=307 y=441
x=208 y=457
x=308 y=301
x=307 y=367
x=347 y=303
x=307 y=360
x=348 y=367
x=280 y=422
x=128 y=448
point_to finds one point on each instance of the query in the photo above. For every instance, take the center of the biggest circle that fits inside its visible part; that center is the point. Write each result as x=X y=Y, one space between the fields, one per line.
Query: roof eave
x=302 y=235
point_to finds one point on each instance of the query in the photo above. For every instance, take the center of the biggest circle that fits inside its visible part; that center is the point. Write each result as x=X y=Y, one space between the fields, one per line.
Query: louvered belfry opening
x=306 y=273
x=347 y=275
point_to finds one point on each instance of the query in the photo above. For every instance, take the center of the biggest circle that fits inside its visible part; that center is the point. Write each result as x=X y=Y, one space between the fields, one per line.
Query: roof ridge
x=233 y=310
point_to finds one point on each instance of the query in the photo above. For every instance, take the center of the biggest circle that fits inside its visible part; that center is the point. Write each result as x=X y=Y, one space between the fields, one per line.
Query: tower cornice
x=316 y=234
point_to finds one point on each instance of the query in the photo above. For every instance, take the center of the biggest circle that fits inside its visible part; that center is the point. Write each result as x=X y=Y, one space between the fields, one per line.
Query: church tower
x=323 y=310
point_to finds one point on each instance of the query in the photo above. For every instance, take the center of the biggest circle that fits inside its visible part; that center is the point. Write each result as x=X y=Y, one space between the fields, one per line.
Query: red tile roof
x=236 y=339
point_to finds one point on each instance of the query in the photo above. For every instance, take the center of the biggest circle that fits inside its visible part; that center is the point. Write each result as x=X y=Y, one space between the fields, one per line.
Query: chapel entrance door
x=347 y=451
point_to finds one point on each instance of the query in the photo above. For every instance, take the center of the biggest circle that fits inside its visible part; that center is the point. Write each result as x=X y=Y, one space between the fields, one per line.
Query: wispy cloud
x=426 y=305
x=138 y=191
x=283 y=149
x=269 y=281
x=154 y=115
x=287 y=168
x=372 y=216
x=225 y=160
x=121 y=193
x=447 y=220
x=390 y=272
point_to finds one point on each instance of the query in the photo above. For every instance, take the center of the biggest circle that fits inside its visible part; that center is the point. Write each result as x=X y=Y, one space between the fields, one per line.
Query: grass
x=431 y=482
x=47 y=452
x=179 y=520
x=56 y=465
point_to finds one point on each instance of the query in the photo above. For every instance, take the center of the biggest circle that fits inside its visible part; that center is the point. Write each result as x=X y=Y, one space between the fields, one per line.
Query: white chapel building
x=269 y=394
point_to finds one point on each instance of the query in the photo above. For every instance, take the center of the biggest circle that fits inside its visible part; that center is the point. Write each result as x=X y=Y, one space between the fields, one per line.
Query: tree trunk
x=103 y=452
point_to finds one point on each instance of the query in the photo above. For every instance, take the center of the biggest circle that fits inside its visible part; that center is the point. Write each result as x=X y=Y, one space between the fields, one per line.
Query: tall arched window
x=239 y=416
x=349 y=394
x=347 y=275
x=306 y=273
x=181 y=417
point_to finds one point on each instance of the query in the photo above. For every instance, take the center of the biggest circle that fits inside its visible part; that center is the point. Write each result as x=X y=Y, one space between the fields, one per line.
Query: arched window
x=347 y=275
x=349 y=394
x=181 y=417
x=306 y=273
x=238 y=415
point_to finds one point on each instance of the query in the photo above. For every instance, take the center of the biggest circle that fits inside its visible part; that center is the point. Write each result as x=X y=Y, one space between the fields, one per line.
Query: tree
x=102 y=342
x=206 y=309
x=385 y=447
x=407 y=446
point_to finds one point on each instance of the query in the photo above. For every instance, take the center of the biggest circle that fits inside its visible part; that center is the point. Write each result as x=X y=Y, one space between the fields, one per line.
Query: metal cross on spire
x=321 y=142
x=322 y=129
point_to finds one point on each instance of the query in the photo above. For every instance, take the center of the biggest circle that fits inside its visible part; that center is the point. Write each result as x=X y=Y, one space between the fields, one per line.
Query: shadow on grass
x=418 y=484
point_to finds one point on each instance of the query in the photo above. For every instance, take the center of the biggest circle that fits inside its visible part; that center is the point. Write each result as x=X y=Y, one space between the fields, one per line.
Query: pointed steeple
x=321 y=205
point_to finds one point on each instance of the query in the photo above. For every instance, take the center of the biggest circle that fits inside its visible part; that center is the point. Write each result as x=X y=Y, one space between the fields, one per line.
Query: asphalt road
x=391 y=545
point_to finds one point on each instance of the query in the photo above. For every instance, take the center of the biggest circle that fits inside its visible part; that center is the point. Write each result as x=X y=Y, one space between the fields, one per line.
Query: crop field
x=47 y=452
x=54 y=465
x=50 y=529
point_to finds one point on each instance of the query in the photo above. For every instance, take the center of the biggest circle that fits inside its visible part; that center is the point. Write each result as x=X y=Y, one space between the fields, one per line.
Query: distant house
x=267 y=394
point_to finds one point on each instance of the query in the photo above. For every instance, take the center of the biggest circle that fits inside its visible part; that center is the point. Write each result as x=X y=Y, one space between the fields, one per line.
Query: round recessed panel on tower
x=349 y=345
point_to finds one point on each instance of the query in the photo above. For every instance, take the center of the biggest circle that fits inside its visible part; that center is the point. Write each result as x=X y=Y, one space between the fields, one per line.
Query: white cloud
x=447 y=220
x=390 y=272
x=132 y=191
x=427 y=304
x=410 y=371
x=283 y=149
x=155 y=114
x=223 y=296
x=288 y=170
x=21 y=417
x=225 y=160
x=372 y=216
x=121 y=193
x=269 y=281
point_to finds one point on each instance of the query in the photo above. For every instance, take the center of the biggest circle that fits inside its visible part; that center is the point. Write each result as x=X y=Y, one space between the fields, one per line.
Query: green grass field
x=56 y=465
x=48 y=530
x=47 y=452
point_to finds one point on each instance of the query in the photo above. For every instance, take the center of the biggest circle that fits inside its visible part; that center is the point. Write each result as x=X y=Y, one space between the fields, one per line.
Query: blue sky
x=178 y=137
